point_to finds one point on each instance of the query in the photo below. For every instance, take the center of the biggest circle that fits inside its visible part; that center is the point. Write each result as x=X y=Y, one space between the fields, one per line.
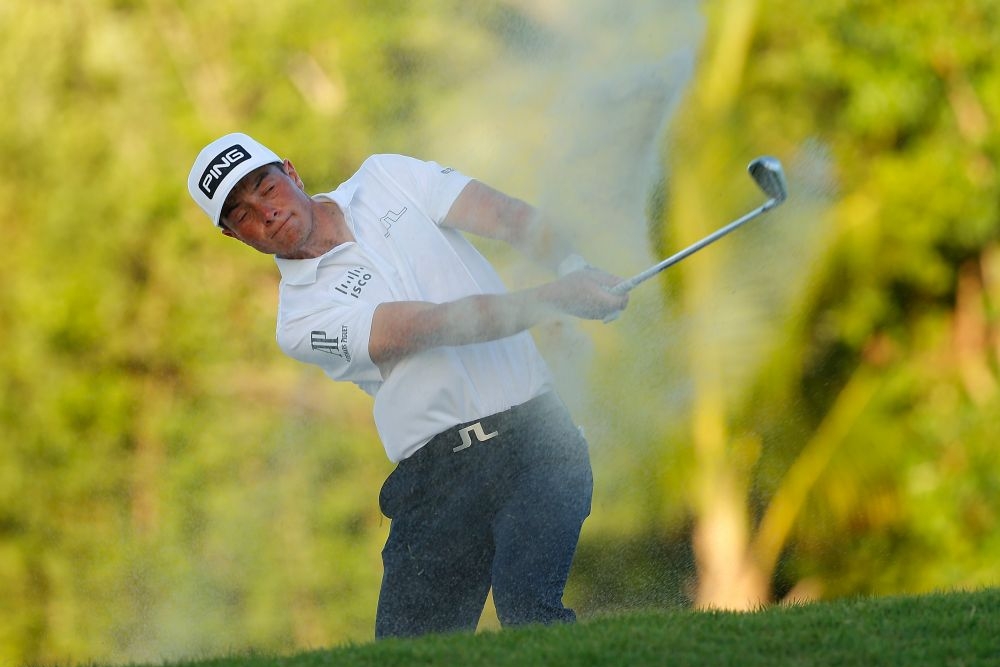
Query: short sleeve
x=435 y=186
x=334 y=338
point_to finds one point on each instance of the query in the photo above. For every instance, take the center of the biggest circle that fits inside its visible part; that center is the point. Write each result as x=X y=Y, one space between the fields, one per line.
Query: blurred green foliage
x=906 y=97
x=171 y=485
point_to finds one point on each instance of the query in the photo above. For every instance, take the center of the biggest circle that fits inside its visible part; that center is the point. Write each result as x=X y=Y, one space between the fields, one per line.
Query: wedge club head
x=766 y=171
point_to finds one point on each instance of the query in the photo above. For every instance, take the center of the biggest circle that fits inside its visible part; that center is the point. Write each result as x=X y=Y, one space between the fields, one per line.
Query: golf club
x=766 y=171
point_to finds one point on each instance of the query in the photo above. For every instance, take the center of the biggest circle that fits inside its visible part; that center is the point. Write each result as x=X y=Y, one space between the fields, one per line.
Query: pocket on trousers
x=387 y=496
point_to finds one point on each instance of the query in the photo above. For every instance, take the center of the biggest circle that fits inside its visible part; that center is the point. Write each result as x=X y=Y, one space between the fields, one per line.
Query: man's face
x=270 y=211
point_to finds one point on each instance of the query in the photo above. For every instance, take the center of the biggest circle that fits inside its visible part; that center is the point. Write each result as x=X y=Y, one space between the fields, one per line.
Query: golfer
x=380 y=287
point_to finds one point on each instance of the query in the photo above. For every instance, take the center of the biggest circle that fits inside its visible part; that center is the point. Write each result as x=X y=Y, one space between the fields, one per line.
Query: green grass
x=954 y=629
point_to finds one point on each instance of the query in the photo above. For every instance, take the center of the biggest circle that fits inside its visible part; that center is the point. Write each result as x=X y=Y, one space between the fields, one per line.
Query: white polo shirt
x=394 y=206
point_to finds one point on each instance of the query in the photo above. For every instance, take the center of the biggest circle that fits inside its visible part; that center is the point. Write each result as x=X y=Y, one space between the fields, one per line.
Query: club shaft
x=627 y=285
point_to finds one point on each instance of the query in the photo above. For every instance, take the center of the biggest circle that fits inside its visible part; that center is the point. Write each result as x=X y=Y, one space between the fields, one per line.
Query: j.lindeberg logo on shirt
x=391 y=217
x=354 y=282
x=335 y=346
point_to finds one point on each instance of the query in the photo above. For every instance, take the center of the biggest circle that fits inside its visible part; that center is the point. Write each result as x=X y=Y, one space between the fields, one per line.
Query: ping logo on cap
x=219 y=168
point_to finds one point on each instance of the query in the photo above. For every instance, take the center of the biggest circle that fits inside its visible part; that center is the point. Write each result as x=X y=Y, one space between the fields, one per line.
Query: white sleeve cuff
x=570 y=264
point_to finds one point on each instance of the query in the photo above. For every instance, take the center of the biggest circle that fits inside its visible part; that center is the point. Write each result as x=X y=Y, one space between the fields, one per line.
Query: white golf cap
x=220 y=166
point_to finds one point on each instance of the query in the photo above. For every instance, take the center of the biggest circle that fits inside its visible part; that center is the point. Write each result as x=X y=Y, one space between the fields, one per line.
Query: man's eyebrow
x=263 y=174
x=228 y=208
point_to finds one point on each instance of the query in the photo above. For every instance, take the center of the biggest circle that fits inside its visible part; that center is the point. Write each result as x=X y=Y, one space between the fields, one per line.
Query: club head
x=766 y=171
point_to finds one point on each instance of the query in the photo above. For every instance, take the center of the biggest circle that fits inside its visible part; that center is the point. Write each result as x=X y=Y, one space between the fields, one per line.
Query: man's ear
x=227 y=232
x=292 y=174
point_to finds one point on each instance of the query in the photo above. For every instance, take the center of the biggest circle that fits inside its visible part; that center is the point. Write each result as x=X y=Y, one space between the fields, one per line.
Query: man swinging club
x=380 y=287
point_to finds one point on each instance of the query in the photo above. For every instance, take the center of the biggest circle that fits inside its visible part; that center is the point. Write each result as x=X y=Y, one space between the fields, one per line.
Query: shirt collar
x=304 y=271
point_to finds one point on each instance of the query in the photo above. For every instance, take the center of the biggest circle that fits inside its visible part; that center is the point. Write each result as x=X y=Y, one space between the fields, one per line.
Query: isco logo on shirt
x=354 y=282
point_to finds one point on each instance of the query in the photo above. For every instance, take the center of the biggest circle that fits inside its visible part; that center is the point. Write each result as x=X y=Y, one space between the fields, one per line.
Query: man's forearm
x=403 y=328
x=486 y=317
x=541 y=239
x=487 y=212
